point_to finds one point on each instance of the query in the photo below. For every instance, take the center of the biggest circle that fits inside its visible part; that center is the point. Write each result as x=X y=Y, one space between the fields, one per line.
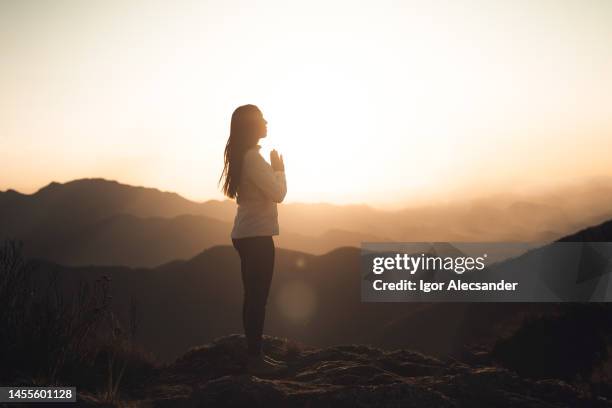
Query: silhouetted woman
x=257 y=187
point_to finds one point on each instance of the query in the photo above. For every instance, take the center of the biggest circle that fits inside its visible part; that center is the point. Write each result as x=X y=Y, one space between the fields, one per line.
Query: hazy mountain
x=194 y=301
x=599 y=233
x=312 y=299
x=97 y=221
x=100 y=222
x=134 y=241
x=457 y=323
x=142 y=242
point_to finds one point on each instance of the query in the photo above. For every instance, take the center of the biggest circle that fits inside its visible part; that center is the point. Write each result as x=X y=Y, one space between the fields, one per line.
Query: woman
x=257 y=187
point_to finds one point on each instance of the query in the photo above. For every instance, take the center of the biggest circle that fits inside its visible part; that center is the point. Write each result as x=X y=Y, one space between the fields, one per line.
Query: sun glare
x=323 y=118
x=371 y=102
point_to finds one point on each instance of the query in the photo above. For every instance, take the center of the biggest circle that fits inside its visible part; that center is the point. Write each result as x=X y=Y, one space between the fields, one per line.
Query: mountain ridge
x=328 y=284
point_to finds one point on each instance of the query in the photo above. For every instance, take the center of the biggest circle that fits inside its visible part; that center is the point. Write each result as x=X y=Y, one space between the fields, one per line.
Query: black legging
x=256 y=267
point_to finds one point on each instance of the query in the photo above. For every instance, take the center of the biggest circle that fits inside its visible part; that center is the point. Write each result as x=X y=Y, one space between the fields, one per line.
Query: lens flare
x=297 y=301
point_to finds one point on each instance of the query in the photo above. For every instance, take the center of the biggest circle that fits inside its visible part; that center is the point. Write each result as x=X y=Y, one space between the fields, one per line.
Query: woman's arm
x=272 y=183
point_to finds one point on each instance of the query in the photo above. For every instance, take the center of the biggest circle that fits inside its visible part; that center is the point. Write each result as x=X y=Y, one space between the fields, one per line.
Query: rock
x=346 y=376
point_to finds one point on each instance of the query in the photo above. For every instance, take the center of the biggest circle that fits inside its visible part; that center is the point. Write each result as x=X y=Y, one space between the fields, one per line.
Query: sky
x=378 y=102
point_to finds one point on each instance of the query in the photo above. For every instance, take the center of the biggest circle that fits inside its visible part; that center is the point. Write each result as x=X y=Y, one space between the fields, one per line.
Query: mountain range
x=103 y=222
x=315 y=299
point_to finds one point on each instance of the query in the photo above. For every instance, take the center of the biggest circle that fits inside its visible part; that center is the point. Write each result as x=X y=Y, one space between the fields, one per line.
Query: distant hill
x=182 y=300
x=599 y=233
x=103 y=222
x=312 y=298
x=460 y=322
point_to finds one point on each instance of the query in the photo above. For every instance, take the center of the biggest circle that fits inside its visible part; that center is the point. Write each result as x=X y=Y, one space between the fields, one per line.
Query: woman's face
x=263 y=125
x=254 y=124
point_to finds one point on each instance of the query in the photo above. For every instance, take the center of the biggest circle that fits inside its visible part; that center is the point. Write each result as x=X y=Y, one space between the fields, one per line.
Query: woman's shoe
x=272 y=360
x=258 y=365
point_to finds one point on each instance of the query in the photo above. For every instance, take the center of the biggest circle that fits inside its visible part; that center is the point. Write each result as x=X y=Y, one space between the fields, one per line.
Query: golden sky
x=369 y=101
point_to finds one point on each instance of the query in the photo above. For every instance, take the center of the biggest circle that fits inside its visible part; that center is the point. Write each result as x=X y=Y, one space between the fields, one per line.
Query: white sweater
x=259 y=190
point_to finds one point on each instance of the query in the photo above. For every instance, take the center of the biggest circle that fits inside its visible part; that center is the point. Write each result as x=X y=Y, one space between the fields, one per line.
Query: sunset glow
x=373 y=102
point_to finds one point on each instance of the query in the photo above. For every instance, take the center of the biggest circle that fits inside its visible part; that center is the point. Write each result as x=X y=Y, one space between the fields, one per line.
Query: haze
x=377 y=102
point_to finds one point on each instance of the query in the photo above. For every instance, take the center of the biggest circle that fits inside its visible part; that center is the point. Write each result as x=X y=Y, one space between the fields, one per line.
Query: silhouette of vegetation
x=121 y=348
x=569 y=345
x=51 y=336
x=43 y=330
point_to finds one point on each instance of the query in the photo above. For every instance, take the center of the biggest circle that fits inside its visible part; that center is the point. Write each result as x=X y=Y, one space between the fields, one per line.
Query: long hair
x=243 y=135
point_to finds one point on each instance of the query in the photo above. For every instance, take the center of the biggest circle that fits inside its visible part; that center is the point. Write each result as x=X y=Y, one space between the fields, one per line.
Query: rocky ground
x=343 y=376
